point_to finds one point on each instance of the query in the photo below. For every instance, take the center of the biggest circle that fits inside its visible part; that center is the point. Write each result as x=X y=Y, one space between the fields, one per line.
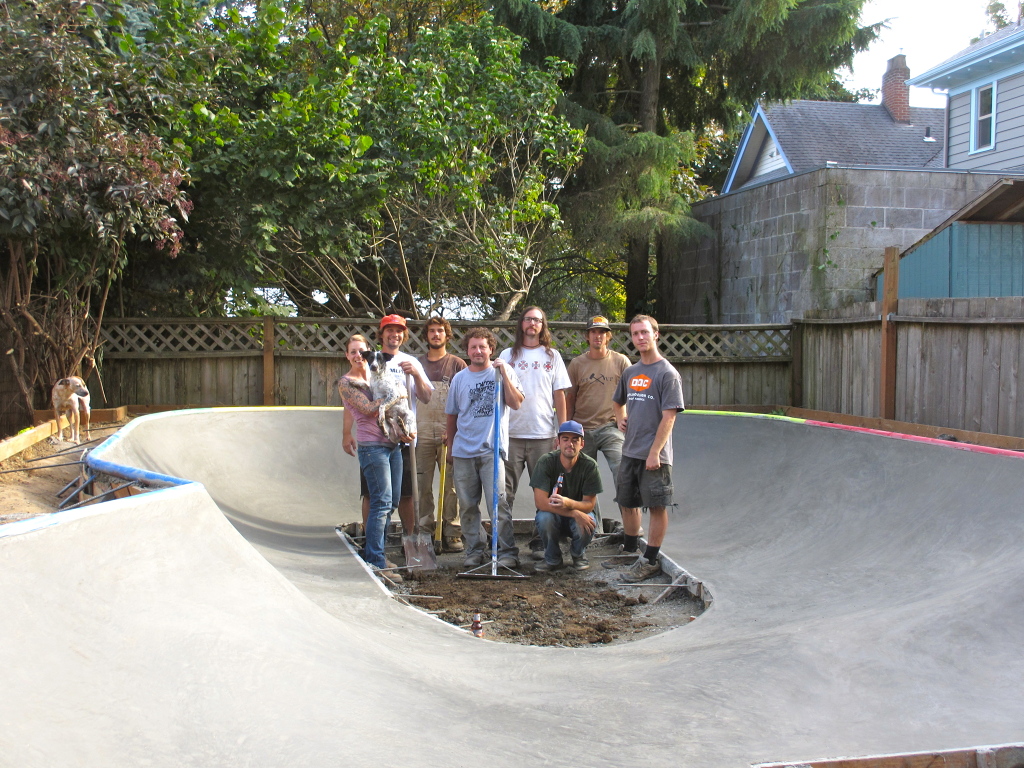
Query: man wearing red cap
x=392 y=335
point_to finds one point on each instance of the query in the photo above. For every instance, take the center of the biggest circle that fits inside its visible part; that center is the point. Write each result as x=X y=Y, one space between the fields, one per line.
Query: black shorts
x=364 y=491
x=636 y=486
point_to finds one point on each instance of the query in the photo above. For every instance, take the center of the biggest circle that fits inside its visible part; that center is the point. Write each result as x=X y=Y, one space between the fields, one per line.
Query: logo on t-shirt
x=640 y=383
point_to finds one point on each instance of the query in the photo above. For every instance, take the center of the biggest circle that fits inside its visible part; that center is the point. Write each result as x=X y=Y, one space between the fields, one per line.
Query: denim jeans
x=474 y=481
x=553 y=527
x=382 y=466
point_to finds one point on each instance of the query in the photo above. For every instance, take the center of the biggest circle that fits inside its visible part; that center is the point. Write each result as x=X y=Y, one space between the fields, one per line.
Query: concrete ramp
x=868 y=595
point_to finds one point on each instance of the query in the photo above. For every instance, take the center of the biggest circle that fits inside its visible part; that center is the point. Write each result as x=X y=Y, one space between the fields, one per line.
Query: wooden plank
x=890 y=306
x=957 y=390
x=269 y=375
x=26 y=439
x=208 y=382
x=1007 y=372
x=974 y=374
x=992 y=353
x=796 y=387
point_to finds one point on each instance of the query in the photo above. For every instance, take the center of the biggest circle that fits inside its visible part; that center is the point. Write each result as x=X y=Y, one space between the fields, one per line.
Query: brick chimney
x=895 y=91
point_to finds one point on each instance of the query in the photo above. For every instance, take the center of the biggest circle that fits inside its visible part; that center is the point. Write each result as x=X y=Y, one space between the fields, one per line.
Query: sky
x=927 y=32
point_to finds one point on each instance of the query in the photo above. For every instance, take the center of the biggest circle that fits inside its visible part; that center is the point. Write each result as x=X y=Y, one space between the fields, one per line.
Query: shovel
x=440 y=499
x=419 y=545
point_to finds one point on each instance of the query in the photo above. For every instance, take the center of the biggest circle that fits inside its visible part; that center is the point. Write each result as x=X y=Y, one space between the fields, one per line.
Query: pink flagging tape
x=919 y=439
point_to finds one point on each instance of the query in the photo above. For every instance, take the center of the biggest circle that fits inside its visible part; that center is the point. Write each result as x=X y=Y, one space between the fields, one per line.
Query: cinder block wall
x=806 y=242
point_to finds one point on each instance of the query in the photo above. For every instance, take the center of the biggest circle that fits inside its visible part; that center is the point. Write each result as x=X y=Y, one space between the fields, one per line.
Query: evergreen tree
x=649 y=74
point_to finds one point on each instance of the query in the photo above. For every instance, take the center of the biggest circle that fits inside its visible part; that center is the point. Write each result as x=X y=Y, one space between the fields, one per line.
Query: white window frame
x=976 y=118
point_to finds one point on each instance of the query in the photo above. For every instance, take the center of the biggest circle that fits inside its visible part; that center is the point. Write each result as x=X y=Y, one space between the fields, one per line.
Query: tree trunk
x=650 y=84
x=638 y=259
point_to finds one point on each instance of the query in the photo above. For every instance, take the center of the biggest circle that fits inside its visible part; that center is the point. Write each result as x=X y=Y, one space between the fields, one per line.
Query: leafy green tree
x=361 y=181
x=475 y=158
x=84 y=180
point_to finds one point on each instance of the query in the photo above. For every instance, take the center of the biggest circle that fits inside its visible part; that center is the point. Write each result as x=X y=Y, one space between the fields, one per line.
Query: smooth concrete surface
x=868 y=597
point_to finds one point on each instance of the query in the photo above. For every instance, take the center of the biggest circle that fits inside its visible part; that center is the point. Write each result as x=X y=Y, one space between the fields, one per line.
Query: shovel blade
x=419 y=551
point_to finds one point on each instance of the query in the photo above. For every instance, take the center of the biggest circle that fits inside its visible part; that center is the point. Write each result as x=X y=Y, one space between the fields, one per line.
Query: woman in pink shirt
x=379 y=458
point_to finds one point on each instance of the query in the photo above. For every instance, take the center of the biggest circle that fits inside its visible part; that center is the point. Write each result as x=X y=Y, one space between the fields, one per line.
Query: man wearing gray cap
x=565 y=485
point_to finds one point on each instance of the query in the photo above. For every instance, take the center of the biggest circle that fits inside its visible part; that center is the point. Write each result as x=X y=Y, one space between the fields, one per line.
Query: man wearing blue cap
x=565 y=485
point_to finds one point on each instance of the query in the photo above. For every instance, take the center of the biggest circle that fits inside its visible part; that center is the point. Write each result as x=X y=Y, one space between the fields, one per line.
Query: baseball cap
x=571 y=428
x=392 y=320
x=598 y=321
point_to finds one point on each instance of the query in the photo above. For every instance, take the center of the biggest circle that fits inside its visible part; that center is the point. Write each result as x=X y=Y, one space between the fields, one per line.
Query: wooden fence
x=297 y=361
x=957 y=362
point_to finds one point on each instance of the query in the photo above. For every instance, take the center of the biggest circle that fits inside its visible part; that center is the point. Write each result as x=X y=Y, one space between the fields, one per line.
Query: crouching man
x=565 y=486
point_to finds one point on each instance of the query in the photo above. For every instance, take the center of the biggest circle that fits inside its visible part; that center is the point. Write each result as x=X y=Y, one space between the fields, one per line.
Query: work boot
x=641 y=570
x=621 y=560
x=393 y=576
x=544 y=566
x=580 y=562
x=453 y=544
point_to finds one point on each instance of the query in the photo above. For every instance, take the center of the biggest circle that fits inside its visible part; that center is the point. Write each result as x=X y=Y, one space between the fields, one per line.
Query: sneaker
x=622 y=560
x=473 y=561
x=545 y=566
x=641 y=570
x=382 y=573
x=453 y=544
x=580 y=562
x=508 y=561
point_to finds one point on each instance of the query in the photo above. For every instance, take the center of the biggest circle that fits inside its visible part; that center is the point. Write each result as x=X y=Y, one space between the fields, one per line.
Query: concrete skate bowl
x=868 y=595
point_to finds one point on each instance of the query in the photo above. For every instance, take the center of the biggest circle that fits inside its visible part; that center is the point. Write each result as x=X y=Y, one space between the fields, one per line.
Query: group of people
x=540 y=416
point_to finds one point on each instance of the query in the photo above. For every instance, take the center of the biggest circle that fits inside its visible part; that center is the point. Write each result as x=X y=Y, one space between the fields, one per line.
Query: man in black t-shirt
x=565 y=486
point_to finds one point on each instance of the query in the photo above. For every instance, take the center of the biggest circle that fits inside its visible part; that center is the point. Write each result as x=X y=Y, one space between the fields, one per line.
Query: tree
x=362 y=182
x=83 y=179
x=647 y=73
x=475 y=160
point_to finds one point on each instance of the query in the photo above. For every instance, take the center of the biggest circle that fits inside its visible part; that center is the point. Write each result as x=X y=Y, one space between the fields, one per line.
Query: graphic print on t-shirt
x=481 y=400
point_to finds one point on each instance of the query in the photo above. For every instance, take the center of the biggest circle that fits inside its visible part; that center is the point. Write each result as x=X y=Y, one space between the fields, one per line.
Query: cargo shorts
x=636 y=486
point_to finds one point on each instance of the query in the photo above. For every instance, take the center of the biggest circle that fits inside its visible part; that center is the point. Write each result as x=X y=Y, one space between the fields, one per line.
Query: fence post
x=890 y=306
x=268 y=360
x=796 y=345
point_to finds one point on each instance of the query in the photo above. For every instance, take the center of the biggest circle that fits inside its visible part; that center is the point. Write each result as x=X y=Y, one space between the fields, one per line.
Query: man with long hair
x=533 y=429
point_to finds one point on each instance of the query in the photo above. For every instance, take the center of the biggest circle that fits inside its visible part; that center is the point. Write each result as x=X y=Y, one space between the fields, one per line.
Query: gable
x=759 y=156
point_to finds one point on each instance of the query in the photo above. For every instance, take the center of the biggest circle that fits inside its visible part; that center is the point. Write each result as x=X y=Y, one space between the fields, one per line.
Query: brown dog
x=71 y=397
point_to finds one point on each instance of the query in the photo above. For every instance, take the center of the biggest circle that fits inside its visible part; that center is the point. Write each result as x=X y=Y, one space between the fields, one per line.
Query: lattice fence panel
x=170 y=337
x=326 y=337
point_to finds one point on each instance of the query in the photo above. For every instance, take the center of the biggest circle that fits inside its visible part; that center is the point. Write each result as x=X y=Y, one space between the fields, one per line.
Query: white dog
x=71 y=397
x=395 y=417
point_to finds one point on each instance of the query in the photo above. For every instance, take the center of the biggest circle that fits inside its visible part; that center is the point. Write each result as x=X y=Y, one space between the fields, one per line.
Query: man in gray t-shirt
x=650 y=394
x=472 y=444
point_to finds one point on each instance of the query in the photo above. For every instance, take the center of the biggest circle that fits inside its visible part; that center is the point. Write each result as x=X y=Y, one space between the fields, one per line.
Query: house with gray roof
x=818 y=190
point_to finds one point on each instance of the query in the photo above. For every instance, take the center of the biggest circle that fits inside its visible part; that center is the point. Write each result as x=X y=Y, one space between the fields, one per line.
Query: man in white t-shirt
x=533 y=429
x=392 y=335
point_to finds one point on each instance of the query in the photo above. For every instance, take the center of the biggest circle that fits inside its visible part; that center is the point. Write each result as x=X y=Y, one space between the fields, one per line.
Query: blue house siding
x=964 y=260
x=987 y=260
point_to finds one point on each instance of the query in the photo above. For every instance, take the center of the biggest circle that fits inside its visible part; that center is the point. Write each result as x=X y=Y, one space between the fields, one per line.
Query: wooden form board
x=1001 y=756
